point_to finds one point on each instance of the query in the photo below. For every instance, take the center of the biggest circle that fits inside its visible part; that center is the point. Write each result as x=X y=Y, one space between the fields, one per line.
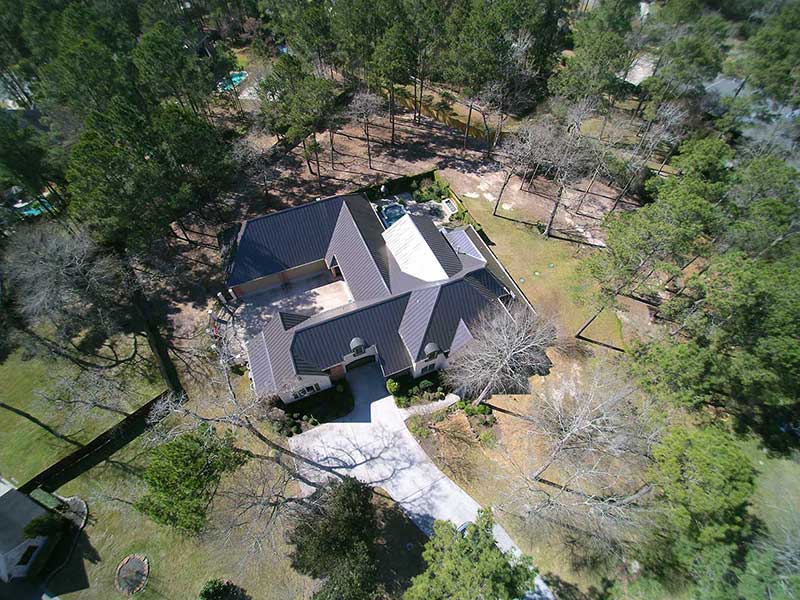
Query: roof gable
x=420 y=250
x=361 y=259
x=415 y=319
x=284 y=239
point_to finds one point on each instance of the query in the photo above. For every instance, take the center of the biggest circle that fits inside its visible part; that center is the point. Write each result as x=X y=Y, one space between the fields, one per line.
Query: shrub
x=418 y=426
x=470 y=410
x=425 y=384
x=392 y=386
x=46 y=525
x=402 y=401
x=339 y=388
x=217 y=589
x=296 y=428
x=487 y=439
x=430 y=190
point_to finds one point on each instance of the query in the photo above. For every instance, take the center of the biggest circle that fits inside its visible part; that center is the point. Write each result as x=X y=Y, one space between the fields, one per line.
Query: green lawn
x=777 y=486
x=30 y=435
x=546 y=271
x=180 y=564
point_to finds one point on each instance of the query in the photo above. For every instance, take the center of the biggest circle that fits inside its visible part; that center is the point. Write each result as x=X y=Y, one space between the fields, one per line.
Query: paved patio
x=306 y=297
x=373 y=444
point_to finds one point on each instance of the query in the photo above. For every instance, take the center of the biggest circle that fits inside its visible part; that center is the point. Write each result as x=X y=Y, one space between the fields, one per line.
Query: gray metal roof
x=438 y=244
x=16 y=511
x=461 y=243
x=289 y=320
x=461 y=300
x=439 y=314
x=494 y=266
x=324 y=344
x=354 y=255
x=393 y=310
x=285 y=239
x=370 y=228
x=415 y=320
x=461 y=337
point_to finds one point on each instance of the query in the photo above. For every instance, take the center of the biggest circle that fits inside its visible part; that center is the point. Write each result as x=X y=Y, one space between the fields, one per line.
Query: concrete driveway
x=373 y=444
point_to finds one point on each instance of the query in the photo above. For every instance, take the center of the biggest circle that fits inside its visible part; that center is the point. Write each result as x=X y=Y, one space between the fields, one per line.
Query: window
x=428 y=368
x=27 y=555
x=302 y=393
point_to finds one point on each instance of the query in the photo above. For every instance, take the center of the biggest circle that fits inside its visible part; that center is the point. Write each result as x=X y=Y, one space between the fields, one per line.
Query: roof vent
x=357 y=345
x=431 y=349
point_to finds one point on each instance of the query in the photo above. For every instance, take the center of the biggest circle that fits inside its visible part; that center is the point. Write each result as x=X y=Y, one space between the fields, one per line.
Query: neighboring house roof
x=412 y=285
x=282 y=240
x=16 y=511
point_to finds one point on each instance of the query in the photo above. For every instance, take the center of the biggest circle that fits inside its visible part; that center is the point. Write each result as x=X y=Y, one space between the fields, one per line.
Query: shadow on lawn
x=72 y=576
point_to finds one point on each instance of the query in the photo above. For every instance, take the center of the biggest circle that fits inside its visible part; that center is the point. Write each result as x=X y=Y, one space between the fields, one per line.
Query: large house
x=415 y=290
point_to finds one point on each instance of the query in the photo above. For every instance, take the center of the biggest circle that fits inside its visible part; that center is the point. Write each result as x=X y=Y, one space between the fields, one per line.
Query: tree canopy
x=182 y=478
x=469 y=565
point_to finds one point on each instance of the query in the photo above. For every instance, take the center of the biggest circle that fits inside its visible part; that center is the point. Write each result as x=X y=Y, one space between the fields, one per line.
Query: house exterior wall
x=276 y=279
x=303 y=381
x=9 y=569
x=440 y=362
x=349 y=358
x=325 y=382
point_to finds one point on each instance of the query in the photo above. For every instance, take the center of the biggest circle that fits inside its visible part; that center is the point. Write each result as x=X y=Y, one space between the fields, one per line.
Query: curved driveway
x=373 y=444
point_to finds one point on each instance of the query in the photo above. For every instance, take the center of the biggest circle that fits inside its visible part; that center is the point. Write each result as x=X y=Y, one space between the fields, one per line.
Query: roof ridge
x=368 y=304
x=366 y=245
x=299 y=206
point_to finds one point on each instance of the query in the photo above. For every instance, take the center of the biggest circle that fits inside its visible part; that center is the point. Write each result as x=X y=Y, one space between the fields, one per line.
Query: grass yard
x=180 y=565
x=33 y=433
x=777 y=493
x=546 y=271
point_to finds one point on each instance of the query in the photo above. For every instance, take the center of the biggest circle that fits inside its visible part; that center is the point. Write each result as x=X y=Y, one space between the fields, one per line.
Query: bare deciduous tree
x=666 y=128
x=364 y=107
x=517 y=151
x=507 y=349
x=68 y=283
x=596 y=433
x=77 y=396
x=569 y=155
x=259 y=496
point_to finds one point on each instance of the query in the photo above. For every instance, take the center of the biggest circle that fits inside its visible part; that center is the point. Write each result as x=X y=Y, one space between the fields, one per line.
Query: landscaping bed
x=322 y=407
x=408 y=391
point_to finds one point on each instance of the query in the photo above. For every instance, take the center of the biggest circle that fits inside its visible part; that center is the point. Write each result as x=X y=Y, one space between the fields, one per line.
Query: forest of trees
x=122 y=125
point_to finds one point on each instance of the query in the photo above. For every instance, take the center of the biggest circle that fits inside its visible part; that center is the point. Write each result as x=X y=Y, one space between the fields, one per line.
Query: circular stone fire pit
x=131 y=576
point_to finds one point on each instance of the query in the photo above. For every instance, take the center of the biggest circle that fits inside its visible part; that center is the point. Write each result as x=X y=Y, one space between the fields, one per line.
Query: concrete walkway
x=431 y=407
x=373 y=444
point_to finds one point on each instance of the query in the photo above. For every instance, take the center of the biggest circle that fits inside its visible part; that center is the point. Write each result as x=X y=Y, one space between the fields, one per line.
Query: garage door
x=361 y=361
